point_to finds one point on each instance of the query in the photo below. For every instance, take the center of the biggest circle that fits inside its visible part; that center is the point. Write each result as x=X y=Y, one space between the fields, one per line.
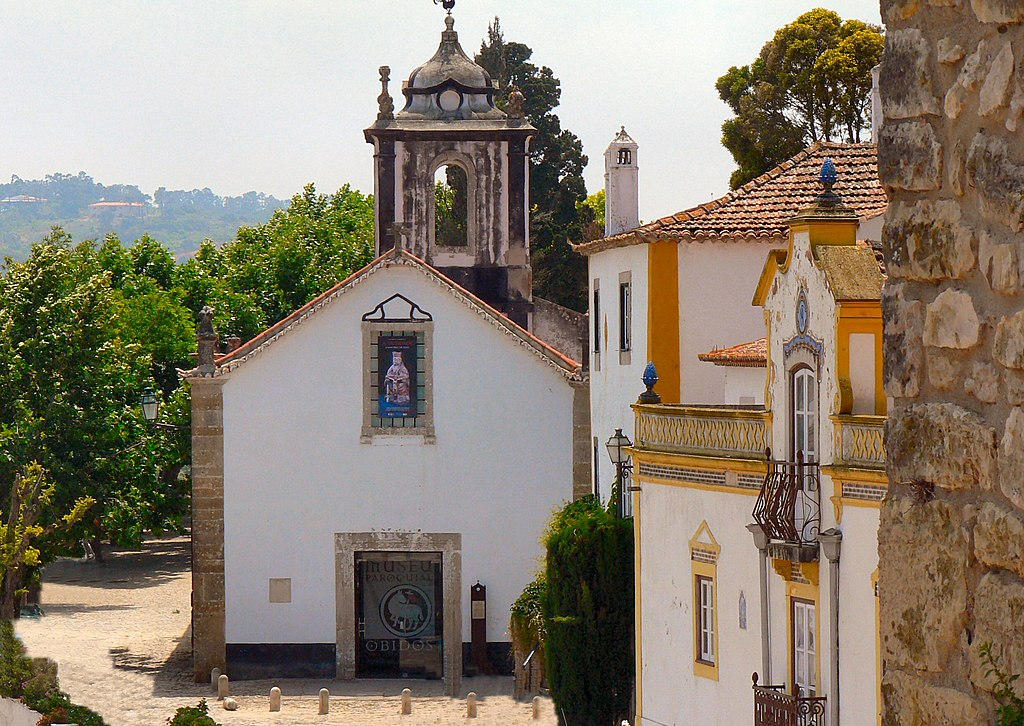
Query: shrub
x=34 y=682
x=192 y=716
x=588 y=614
x=1011 y=706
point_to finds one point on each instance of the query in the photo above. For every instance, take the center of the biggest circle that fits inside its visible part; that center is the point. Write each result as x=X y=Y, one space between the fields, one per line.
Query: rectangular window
x=595 y=328
x=705 y=587
x=597 y=468
x=397 y=379
x=805 y=662
x=625 y=316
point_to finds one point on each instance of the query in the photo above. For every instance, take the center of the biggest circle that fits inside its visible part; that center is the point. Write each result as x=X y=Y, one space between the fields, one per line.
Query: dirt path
x=120 y=634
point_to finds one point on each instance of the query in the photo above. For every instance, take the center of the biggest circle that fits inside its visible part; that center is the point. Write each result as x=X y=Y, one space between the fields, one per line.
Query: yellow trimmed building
x=757 y=511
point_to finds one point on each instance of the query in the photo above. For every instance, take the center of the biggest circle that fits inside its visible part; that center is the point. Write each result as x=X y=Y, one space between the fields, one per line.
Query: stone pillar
x=831 y=546
x=208 y=635
x=952 y=528
x=761 y=542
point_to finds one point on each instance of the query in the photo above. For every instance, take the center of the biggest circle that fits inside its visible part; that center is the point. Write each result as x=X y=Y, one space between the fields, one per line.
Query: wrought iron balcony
x=789 y=508
x=739 y=432
x=774 y=707
x=859 y=441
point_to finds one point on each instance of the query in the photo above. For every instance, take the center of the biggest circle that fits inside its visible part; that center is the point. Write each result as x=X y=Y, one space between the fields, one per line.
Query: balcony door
x=805 y=413
x=804 y=657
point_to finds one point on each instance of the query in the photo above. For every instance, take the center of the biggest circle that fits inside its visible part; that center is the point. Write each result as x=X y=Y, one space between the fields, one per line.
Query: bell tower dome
x=452 y=177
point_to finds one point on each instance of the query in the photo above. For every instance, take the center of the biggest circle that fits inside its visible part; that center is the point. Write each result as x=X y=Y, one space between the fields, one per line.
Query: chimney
x=207 y=343
x=876 y=104
x=621 y=185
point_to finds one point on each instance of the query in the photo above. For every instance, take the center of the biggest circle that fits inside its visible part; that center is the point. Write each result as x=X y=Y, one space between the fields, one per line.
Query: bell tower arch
x=452 y=168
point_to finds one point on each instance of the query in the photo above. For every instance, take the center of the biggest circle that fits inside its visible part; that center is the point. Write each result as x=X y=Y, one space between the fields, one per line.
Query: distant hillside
x=87 y=209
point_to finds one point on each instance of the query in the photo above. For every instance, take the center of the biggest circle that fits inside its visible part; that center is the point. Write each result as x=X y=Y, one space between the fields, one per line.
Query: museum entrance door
x=399 y=615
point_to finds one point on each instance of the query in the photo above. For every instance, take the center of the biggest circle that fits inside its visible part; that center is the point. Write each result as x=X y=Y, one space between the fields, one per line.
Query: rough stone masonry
x=951 y=539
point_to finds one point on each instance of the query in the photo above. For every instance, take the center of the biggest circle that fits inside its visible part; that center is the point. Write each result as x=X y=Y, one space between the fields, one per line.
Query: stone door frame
x=346 y=544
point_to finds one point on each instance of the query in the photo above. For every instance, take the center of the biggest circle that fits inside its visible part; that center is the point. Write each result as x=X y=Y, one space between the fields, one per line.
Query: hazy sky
x=269 y=95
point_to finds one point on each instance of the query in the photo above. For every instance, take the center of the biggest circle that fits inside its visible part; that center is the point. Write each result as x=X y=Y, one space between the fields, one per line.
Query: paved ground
x=120 y=634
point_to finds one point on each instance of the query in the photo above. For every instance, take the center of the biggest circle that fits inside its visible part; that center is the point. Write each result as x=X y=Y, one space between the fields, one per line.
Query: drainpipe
x=831 y=545
x=761 y=542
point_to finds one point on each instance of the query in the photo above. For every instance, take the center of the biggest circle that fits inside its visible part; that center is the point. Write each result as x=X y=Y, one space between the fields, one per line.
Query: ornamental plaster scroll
x=492 y=318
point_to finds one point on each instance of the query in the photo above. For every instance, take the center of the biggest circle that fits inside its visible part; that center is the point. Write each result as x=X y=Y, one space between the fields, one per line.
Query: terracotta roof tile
x=748 y=355
x=761 y=209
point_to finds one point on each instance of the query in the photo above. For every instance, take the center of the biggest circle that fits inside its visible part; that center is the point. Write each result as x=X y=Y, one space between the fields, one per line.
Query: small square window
x=280 y=589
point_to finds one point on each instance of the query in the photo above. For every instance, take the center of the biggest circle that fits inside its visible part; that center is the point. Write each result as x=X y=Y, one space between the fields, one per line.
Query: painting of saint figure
x=396 y=374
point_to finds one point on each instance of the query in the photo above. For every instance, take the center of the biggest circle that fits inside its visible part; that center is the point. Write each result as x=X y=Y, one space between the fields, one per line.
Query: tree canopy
x=811 y=82
x=85 y=328
x=557 y=188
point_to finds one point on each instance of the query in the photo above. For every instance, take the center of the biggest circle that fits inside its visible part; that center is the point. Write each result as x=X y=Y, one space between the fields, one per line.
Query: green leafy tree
x=811 y=82
x=588 y=613
x=556 y=176
x=69 y=392
x=21 y=533
x=277 y=267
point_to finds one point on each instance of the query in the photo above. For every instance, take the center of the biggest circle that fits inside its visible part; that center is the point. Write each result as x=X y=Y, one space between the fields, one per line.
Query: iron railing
x=789 y=505
x=774 y=707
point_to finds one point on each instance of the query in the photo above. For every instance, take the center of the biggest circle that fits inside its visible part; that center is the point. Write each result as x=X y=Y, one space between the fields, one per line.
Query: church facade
x=372 y=474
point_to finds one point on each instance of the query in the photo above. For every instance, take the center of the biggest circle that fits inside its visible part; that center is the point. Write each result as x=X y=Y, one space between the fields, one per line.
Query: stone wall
x=951 y=537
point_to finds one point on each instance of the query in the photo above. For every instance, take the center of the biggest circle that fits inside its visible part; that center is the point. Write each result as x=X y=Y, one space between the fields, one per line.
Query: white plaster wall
x=716 y=290
x=672 y=694
x=615 y=387
x=742 y=384
x=296 y=473
x=858 y=634
x=862 y=372
x=870 y=228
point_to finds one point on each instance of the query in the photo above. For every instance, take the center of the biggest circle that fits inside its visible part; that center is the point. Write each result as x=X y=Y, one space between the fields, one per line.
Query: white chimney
x=876 y=104
x=621 y=185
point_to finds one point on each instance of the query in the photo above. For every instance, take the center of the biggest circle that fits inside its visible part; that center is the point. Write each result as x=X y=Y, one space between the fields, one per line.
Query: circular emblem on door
x=802 y=313
x=406 y=611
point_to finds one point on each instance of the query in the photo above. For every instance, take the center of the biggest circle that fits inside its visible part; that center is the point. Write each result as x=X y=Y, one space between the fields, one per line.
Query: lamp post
x=616 y=446
x=151 y=410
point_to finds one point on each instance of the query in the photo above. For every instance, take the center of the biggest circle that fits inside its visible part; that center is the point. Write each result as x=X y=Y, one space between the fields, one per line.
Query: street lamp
x=151 y=409
x=617 y=445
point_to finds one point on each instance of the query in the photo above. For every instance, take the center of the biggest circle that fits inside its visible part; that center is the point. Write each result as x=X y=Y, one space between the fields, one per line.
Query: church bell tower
x=452 y=177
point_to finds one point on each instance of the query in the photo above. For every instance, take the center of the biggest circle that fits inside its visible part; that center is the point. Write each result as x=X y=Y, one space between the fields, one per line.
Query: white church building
x=372 y=475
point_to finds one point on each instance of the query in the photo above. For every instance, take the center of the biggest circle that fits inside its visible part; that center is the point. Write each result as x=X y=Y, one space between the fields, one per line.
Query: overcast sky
x=269 y=95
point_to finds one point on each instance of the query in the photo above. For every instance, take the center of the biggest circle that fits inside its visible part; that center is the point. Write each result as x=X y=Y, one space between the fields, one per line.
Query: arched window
x=805 y=413
x=625 y=156
x=451 y=208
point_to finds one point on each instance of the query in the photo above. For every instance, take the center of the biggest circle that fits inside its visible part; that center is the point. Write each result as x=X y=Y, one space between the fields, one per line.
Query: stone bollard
x=325 y=702
x=275 y=699
x=406 y=701
x=536 y=708
x=214 y=677
x=223 y=689
x=230 y=704
x=471 y=705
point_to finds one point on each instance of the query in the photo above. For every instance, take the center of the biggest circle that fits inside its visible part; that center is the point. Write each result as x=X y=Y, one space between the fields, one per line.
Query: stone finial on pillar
x=650 y=379
x=385 y=103
x=516 y=99
x=207 y=342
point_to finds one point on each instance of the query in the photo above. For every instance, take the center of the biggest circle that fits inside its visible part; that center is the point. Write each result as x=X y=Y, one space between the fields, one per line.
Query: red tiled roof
x=749 y=355
x=761 y=209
